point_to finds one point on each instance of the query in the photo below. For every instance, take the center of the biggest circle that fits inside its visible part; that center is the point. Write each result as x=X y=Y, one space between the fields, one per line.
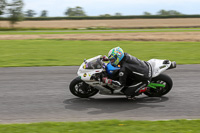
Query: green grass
x=63 y=53
x=62 y=31
x=108 y=126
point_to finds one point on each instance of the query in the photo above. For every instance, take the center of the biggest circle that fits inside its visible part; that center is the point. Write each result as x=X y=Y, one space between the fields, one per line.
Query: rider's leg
x=134 y=89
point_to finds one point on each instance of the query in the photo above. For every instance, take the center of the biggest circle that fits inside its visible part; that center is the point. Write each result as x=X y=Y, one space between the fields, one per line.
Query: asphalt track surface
x=36 y=94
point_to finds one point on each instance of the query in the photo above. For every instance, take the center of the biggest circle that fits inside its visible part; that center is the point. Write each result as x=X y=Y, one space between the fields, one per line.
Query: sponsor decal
x=84 y=66
x=162 y=67
x=85 y=74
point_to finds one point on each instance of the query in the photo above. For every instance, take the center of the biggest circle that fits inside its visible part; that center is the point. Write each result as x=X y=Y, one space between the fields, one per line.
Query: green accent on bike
x=154 y=85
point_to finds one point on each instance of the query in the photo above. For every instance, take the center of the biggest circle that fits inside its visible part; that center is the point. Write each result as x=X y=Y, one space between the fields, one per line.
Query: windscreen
x=95 y=64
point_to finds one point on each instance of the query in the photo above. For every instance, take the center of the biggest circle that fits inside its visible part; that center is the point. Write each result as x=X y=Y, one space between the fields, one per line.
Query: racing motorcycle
x=90 y=74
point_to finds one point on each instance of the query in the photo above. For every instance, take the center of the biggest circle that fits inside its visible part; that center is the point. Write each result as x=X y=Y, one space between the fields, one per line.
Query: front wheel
x=160 y=91
x=80 y=89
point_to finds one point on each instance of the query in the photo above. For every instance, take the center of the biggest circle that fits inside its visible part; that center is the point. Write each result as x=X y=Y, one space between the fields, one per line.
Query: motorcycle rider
x=130 y=68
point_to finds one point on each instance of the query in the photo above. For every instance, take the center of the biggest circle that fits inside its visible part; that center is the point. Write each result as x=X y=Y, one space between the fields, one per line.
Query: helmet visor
x=112 y=60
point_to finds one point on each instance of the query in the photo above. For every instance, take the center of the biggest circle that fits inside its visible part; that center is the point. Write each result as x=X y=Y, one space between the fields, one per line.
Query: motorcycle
x=90 y=74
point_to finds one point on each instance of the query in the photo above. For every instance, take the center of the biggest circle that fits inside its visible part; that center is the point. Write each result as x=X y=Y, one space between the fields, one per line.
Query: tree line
x=14 y=11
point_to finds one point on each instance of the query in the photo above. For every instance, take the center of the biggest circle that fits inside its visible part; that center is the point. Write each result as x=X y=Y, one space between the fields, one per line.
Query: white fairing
x=158 y=67
x=86 y=74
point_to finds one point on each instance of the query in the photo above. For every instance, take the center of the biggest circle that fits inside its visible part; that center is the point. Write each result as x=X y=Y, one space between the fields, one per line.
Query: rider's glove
x=106 y=80
x=105 y=58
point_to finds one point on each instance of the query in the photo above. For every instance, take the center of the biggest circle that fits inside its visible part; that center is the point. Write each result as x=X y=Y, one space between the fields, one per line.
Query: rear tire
x=80 y=89
x=160 y=91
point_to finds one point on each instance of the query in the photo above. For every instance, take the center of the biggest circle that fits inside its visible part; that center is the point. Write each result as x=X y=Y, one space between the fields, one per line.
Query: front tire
x=80 y=89
x=160 y=91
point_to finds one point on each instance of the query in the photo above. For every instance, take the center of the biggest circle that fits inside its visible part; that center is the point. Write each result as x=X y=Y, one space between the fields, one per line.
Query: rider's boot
x=143 y=90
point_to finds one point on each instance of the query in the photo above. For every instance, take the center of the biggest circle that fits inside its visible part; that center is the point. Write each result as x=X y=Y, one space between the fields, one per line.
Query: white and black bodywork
x=90 y=74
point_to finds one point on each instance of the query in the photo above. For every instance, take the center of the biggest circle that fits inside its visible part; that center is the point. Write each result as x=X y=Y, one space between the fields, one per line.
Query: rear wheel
x=80 y=89
x=160 y=91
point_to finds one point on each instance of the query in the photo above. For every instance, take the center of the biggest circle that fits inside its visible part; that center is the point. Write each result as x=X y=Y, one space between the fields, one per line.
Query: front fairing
x=89 y=67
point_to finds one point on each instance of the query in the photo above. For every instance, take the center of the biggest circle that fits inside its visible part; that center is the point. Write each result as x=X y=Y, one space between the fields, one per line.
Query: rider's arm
x=122 y=78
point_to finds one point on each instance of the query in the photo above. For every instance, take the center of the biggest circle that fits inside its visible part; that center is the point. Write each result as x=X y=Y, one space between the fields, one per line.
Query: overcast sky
x=125 y=7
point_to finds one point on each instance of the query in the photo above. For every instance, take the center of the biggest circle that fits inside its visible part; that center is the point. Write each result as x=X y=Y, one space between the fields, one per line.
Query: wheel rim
x=162 y=89
x=83 y=88
x=159 y=90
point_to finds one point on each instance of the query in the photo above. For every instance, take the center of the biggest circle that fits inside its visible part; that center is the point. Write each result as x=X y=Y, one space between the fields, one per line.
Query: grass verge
x=108 y=126
x=64 y=31
x=64 y=53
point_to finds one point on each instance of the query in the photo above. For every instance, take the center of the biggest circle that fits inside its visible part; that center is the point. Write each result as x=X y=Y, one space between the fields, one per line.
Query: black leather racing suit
x=136 y=72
